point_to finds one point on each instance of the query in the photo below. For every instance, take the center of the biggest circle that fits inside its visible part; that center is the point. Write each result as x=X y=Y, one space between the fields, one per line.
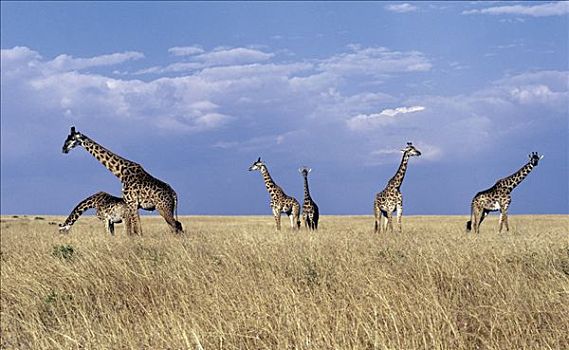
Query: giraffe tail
x=179 y=227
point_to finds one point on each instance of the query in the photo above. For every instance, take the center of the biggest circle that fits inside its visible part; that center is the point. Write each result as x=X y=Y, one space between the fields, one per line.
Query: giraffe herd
x=141 y=190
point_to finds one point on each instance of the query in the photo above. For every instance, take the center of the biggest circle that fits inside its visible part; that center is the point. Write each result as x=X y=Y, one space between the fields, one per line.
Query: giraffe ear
x=309 y=169
x=541 y=157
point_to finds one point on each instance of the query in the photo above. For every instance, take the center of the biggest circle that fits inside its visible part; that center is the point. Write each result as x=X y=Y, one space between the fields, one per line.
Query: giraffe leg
x=277 y=215
x=389 y=221
x=377 y=221
x=168 y=215
x=399 y=214
x=137 y=223
x=110 y=227
x=133 y=220
x=503 y=219
x=476 y=219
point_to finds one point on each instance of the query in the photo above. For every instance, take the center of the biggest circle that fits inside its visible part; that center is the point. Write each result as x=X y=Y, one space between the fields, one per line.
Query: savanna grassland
x=234 y=283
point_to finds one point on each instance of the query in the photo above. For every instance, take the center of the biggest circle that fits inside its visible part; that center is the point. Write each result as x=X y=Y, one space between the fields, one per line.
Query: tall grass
x=234 y=283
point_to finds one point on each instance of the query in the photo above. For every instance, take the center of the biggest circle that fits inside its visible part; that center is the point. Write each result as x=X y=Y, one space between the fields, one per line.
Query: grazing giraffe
x=109 y=209
x=310 y=213
x=391 y=199
x=498 y=197
x=280 y=202
x=139 y=188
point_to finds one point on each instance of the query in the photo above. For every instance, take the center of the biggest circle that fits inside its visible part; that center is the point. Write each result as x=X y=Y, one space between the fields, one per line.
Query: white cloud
x=365 y=121
x=401 y=8
x=67 y=62
x=185 y=50
x=239 y=55
x=266 y=100
x=559 y=8
x=375 y=61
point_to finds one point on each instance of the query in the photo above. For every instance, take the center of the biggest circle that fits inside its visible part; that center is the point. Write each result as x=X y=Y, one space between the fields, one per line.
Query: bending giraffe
x=498 y=197
x=280 y=202
x=139 y=188
x=109 y=209
x=391 y=199
x=310 y=213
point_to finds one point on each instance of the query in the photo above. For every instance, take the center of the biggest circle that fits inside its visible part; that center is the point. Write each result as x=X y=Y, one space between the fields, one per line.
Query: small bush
x=64 y=252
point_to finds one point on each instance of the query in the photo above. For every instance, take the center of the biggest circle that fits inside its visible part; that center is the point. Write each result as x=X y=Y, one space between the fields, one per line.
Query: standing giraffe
x=391 y=199
x=498 y=197
x=139 y=188
x=280 y=202
x=109 y=209
x=310 y=213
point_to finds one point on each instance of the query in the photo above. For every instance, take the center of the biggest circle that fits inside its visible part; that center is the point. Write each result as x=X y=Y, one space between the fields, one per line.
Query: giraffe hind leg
x=168 y=215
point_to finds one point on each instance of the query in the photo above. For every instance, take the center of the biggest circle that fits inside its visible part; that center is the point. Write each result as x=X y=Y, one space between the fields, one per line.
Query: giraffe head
x=304 y=171
x=73 y=140
x=411 y=150
x=257 y=165
x=534 y=158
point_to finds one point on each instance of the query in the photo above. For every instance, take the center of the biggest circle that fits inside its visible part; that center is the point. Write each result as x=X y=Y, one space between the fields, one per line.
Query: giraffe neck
x=512 y=181
x=306 y=190
x=116 y=164
x=271 y=186
x=397 y=179
x=86 y=204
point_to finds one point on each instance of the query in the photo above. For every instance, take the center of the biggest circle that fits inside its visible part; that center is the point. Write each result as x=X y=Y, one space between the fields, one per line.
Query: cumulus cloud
x=278 y=97
x=559 y=8
x=401 y=8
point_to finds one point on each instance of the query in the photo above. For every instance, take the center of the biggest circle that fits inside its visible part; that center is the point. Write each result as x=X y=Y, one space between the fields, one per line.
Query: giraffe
x=310 y=213
x=109 y=209
x=139 y=188
x=391 y=199
x=280 y=202
x=498 y=197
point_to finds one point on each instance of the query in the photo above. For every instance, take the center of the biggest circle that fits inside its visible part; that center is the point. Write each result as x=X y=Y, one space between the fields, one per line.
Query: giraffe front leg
x=504 y=219
x=399 y=215
x=277 y=215
x=389 y=221
x=110 y=227
x=133 y=220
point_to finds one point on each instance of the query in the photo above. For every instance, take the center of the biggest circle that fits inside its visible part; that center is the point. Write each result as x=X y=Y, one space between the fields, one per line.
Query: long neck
x=86 y=204
x=271 y=186
x=516 y=178
x=397 y=179
x=116 y=164
x=306 y=190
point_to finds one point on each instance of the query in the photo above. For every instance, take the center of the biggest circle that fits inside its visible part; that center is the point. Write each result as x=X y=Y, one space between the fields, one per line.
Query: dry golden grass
x=233 y=283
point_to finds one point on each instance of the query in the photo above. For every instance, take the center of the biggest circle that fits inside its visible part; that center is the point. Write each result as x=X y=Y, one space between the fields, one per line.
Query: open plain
x=235 y=283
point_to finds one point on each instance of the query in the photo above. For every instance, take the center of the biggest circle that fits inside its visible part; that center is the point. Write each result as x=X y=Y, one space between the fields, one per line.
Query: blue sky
x=195 y=92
